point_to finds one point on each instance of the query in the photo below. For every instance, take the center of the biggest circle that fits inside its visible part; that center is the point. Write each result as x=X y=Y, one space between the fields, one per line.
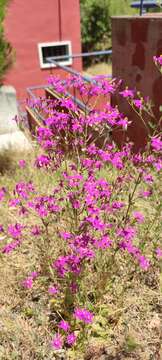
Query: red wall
x=29 y=22
x=135 y=40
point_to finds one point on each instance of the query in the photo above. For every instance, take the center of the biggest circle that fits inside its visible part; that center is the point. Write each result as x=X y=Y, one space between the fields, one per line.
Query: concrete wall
x=36 y=21
x=11 y=138
x=8 y=110
x=135 y=40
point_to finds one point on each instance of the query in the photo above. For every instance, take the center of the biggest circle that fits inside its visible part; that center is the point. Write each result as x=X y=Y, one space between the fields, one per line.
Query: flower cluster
x=158 y=60
x=82 y=315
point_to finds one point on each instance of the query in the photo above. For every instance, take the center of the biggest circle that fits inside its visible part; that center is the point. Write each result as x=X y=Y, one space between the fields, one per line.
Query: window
x=52 y=49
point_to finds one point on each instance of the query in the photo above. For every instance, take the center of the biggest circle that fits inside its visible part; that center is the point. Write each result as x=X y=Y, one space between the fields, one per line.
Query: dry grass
x=134 y=327
x=127 y=327
x=99 y=69
x=8 y=161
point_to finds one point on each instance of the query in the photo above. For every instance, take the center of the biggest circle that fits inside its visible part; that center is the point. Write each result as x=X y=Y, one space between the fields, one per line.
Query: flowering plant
x=90 y=218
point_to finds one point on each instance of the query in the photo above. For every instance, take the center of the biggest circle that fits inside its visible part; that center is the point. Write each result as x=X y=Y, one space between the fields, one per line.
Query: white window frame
x=46 y=44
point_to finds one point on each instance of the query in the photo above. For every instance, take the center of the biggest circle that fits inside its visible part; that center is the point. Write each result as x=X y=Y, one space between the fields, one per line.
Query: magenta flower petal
x=71 y=339
x=83 y=315
x=57 y=342
x=64 y=325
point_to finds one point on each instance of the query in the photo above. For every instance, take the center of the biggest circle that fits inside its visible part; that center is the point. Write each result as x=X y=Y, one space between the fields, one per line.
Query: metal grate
x=56 y=50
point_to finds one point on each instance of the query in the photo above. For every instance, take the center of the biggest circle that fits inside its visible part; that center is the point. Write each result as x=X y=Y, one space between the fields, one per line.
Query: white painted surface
x=11 y=138
x=53 y=44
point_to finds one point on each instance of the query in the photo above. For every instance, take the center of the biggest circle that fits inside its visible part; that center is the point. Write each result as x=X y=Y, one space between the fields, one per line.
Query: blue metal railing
x=54 y=61
x=30 y=92
x=86 y=54
x=145 y=5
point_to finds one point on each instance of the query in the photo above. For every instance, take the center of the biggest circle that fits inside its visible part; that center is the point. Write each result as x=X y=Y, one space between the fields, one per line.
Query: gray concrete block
x=11 y=138
x=8 y=109
x=15 y=141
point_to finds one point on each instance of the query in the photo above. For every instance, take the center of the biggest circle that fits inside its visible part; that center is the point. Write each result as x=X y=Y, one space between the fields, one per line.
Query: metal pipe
x=69 y=70
x=32 y=95
x=94 y=53
x=52 y=60
x=141 y=8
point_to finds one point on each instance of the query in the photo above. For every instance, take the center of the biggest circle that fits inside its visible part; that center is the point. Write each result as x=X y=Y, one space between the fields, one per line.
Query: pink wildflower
x=83 y=315
x=138 y=216
x=15 y=230
x=138 y=103
x=74 y=287
x=64 y=325
x=127 y=93
x=127 y=233
x=52 y=290
x=2 y=193
x=144 y=263
x=28 y=283
x=117 y=205
x=156 y=143
x=57 y=342
x=10 y=247
x=42 y=161
x=34 y=274
x=159 y=253
x=71 y=339
x=158 y=60
x=148 y=178
x=103 y=243
x=146 y=193
x=14 y=202
x=65 y=235
x=35 y=230
x=22 y=163
x=158 y=164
